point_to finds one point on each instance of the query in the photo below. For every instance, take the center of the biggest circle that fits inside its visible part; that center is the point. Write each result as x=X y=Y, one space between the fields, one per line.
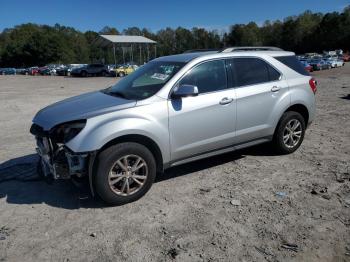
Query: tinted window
x=274 y=75
x=293 y=63
x=250 y=71
x=208 y=77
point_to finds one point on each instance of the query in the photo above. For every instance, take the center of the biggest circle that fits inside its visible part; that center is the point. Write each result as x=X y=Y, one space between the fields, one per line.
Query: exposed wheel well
x=143 y=140
x=301 y=109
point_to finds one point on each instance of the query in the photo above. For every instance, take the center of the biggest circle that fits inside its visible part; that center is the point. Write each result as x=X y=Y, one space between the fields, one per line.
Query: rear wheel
x=83 y=73
x=125 y=173
x=121 y=74
x=289 y=133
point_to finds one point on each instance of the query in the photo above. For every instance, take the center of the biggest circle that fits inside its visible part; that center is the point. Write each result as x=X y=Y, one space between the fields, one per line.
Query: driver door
x=206 y=122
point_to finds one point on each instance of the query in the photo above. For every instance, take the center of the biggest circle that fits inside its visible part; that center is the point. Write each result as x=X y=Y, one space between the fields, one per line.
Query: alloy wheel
x=292 y=133
x=128 y=175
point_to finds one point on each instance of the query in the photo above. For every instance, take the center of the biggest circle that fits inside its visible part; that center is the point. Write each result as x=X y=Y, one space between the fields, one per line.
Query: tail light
x=313 y=85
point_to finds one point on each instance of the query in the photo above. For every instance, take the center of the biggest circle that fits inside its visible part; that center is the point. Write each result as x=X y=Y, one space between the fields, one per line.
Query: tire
x=125 y=188
x=83 y=73
x=280 y=141
x=121 y=74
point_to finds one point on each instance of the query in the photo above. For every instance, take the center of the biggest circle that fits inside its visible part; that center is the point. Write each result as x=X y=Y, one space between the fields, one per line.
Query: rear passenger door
x=259 y=88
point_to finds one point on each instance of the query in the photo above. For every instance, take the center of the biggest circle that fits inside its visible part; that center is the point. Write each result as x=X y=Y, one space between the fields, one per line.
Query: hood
x=80 y=107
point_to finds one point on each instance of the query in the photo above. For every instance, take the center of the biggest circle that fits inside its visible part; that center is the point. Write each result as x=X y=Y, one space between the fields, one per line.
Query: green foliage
x=308 y=32
x=31 y=44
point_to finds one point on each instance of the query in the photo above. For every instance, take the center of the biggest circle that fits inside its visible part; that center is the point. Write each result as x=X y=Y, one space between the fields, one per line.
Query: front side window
x=145 y=81
x=208 y=77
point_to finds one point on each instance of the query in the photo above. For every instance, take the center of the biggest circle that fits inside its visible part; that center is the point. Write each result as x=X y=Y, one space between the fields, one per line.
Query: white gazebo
x=128 y=41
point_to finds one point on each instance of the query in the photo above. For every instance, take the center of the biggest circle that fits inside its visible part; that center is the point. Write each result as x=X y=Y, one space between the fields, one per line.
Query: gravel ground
x=249 y=205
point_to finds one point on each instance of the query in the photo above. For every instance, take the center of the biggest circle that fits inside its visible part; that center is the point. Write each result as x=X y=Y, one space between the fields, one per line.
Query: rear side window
x=293 y=63
x=251 y=71
x=208 y=77
x=274 y=75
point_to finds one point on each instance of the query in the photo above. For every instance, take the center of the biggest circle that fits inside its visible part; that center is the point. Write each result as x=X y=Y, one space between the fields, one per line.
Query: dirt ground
x=249 y=205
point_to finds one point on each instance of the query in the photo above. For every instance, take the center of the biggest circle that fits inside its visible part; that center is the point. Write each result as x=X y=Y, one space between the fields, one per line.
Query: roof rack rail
x=201 y=50
x=250 y=48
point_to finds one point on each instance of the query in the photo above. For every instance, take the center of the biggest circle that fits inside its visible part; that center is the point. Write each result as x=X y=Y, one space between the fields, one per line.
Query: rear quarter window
x=293 y=63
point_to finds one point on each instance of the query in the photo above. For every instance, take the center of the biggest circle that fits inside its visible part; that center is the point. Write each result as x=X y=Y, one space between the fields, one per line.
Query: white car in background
x=334 y=62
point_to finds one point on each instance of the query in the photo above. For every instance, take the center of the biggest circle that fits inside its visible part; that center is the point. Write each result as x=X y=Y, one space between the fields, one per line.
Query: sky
x=156 y=14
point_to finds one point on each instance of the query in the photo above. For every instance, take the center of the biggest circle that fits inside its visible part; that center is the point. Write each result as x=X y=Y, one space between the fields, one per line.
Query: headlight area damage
x=57 y=160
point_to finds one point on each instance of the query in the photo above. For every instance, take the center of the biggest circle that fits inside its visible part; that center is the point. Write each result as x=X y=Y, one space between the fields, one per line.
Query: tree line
x=31 y=44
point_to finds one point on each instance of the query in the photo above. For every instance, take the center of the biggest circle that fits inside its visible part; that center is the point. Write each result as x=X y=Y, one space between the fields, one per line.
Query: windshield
x=145 y=81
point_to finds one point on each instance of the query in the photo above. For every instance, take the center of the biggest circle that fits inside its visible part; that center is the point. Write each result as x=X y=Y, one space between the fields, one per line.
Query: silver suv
x=174 y=110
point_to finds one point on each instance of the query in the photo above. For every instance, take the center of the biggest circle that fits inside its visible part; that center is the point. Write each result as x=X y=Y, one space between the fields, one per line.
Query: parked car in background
x=64 y=71
x=20 y=71
x=7 y=71
x=25 y=71
x=111 y=70
x=171 y=111
x=47 y=70
x=90 y=70
x=335 y=62
x=346 y=57
x=307 y=66
x=319 y=64
x=34 y=70
x=124 y=70
x=67 y=69
x=42 y=69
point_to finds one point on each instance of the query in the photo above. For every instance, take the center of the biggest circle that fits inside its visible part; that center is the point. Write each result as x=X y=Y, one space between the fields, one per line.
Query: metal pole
x=130 y=52
x=115 y=59
x=140 y=56
x=155 y=51
x=123 y=54
x=147 y=53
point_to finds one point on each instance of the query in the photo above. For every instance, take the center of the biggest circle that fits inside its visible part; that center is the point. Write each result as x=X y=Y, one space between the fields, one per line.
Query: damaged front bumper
x=57 y=160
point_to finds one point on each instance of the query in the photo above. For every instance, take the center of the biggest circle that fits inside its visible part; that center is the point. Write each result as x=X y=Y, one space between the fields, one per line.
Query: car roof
x=187 y=57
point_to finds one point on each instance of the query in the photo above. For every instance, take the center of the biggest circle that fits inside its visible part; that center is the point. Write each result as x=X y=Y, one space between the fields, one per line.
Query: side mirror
x=184 y=91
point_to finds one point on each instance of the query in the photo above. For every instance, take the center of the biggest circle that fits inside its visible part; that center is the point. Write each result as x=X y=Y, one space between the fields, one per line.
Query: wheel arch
x=301 y=109
x=140 y=139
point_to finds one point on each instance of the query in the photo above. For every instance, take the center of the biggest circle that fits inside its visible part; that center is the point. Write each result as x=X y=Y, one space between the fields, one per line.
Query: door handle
x=226 y=101
x=275 y=88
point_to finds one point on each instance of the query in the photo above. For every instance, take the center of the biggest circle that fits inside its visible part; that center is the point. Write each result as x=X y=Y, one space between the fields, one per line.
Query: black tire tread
x=278 y=136
x=107 y=158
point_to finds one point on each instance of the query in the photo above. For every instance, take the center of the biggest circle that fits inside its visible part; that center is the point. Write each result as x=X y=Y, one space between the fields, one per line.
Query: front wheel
x=289 y=133
x=125 y=172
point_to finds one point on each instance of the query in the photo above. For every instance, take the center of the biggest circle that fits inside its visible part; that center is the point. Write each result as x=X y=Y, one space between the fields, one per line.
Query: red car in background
x=346 y=57
x=33 y=70
x=307 y=66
